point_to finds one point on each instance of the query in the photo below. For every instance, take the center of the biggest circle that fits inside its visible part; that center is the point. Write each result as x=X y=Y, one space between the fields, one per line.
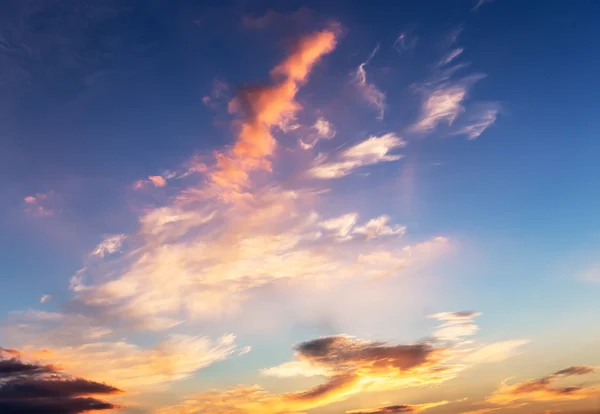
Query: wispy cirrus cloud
x=371 y=151
x=443 y=103
x=371 y=94
x=480 y=119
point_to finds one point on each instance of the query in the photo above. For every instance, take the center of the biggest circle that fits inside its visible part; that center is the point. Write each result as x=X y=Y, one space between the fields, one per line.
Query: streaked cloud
x=371 y=151
x=496 y=352
x=479 y=120
x=545 y=389
x=45 y=298
x=111 y=244
x=451 y=56
x=455 y=325
x=30 y=387
x=391 y=409
x=443 y=103
x=130 y=366
x=371 y=94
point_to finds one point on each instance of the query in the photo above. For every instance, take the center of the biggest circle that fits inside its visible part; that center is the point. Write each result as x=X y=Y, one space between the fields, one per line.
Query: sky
x=236 y=207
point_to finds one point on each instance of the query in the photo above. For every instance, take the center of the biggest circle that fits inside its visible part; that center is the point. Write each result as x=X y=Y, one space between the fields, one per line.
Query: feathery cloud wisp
x=371 y=151
x=372 y=95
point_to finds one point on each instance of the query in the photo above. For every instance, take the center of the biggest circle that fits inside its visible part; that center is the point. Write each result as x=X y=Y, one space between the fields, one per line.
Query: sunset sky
x=240 y=207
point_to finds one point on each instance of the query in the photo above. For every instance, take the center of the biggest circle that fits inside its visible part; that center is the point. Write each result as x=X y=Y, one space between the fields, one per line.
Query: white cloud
x=496 y=352
x=456 y=325
x=135 y=368
x=370 y=92
x=479 y=121
x=45 y=298
x=371 y=151
x=110 y=244
x=451 y=56
x=443 y=98
x=324 y=130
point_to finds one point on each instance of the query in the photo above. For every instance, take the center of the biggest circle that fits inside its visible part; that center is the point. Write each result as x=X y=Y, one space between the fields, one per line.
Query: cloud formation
x=391 y=409
x=371 y=94
x=37 y=205
x=261 y=108
x=31 y=388
x=443 y=103
x=111 y=244
x=348 y=365
x=371 y=151
x=479 y=120
x=545 y=389
x=323 y=130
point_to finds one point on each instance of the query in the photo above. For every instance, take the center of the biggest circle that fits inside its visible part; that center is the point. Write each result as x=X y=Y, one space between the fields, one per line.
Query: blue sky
x=195 y=195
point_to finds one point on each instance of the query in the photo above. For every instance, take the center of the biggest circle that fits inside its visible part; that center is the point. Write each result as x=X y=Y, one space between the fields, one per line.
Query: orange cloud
x=157 y=180
x=544 y=389
x=349 y=366
x=264 y=107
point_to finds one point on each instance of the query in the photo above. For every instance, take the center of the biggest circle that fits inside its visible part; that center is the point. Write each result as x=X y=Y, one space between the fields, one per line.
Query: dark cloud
x=30 y=388
x=13 y=366
x=575 y=370
x=53 y=388
x=341 y=350
x=53 y=405
x=391 y=409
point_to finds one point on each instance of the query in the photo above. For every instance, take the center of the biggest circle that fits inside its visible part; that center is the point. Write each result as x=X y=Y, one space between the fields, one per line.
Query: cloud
x=32 y=388
x=371 y=151
x=451 y=56
x=371 y=94
x=110 y=244
x=45 y=298
x=479 y=120
x=545 y=389
x=324 y=130
x=348 y=365
x=157 y=181
x=443 y=103
x=175 y=358
x=496 y=352
x=261 y=108
x=456 y=325
x=37 y=205
x=391 y=409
